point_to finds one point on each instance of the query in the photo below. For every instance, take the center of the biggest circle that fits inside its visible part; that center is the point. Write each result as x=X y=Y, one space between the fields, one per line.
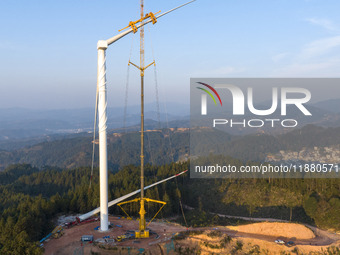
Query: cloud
x=317 y=58
x=325 y=23
x=326 y=68
x=280 y=56
x=319 y=47
x=218 y=72
x=224 y=70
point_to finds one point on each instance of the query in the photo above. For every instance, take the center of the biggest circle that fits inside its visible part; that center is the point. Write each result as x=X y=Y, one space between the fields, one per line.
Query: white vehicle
x=279 y=241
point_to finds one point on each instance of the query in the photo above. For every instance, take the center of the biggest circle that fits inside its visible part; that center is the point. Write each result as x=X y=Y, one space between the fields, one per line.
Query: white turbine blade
x=117 y=200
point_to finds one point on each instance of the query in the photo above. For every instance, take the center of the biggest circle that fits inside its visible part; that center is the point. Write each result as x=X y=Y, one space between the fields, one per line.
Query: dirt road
x=323 y=237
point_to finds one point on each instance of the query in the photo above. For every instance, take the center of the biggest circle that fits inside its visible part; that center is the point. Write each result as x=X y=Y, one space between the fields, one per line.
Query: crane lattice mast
x=142 y=232
x=102 y=46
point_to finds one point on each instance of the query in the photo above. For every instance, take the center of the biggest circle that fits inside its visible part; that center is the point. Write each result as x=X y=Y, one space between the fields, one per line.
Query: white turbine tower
x=102 y=45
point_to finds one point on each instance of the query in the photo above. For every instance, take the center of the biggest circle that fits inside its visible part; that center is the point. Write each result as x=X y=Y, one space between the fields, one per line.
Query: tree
x=168 y=206
x=311 y=206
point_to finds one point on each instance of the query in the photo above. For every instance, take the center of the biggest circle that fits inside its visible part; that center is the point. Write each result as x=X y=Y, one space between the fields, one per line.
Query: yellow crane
x=101 y=114
x=145 y=233
x=142 y=232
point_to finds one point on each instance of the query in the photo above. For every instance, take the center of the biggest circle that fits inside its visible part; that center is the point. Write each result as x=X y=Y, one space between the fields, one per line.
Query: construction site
x=97 y=232
x=92 y=163
x=119 y=237
x=166 y=237
x=113 y=231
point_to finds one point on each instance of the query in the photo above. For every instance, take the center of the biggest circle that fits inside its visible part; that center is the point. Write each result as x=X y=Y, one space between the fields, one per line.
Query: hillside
x=164 y=146
x=77 y=151
x=22 y=124
x=21 y=127
x=33 y=196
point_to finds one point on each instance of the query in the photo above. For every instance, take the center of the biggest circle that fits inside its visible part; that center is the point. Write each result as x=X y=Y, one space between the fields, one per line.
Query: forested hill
x=164 y=146
x=32 y=197
x=161 y=146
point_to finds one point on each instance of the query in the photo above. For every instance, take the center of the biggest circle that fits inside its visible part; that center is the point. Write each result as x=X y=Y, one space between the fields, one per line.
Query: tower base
x=142 y=234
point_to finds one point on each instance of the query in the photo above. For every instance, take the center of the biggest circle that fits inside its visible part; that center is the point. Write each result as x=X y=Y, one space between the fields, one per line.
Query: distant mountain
x=29 y=137
x=320 y=117
x=332 y=105
x=18 y=143
x=164 y=146
x=123 y=149
x=256 y=146
x=24 y=123
x=40 y=138
x=24 y=127
x=21 y=127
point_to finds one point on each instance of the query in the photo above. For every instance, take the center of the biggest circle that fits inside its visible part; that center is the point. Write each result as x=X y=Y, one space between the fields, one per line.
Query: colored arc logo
x=208 y=92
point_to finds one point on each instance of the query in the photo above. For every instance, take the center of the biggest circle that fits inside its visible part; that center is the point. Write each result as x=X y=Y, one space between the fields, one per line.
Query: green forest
x=35 y=197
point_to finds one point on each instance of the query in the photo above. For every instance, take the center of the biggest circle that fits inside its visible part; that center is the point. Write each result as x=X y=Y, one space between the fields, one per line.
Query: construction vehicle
x=57 y=232
x=121 y=238
x=127 y=235
x=45 y=238
x=87 y=238
x=78 y=221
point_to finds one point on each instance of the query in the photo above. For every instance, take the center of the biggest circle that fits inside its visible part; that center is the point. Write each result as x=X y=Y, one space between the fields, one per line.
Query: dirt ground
x=277 y=229
x=263 y=234
x=70 y=242
x=260 y=244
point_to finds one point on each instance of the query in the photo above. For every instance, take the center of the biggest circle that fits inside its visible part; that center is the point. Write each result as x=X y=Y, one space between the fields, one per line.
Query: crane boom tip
x=183 y=171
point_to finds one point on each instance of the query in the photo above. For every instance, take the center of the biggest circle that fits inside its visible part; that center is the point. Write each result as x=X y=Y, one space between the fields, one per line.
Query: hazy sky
x=48 y=48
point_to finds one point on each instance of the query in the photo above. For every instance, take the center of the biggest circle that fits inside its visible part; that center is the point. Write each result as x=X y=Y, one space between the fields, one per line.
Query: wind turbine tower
x=101 y=99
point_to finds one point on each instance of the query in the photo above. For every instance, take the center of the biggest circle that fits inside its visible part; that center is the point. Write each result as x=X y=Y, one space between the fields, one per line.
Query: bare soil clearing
x=307 y=239
x=277 y=229
x=70 y=242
